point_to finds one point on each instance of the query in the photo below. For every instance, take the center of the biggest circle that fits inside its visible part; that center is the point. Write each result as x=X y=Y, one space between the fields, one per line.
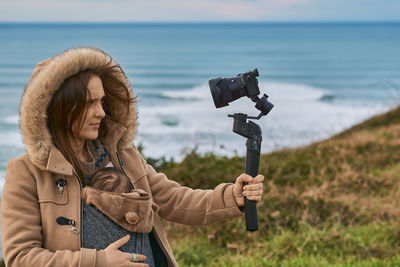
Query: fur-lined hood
x=46 y=78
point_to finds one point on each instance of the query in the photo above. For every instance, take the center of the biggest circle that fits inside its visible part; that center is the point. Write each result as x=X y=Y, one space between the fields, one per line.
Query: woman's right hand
x=117 y=258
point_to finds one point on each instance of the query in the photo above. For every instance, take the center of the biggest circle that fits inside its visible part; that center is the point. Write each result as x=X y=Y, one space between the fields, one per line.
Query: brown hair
x=111 y=179
x=67 y=107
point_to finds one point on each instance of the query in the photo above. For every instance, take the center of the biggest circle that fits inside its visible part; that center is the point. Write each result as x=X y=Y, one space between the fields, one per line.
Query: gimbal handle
x=252 y=164
x=252 y=132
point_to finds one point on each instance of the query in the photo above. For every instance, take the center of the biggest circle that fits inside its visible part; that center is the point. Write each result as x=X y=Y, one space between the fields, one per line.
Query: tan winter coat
x=31 y=201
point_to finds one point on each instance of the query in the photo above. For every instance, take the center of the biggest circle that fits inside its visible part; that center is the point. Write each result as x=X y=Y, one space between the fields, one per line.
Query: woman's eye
x=91 y=103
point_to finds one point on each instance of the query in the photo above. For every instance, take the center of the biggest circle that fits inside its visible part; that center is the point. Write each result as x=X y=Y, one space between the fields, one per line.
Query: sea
x=321 y=77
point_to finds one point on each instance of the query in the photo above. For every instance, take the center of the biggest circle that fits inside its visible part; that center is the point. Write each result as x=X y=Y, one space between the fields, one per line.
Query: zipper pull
x=66 y=221
x=74 y=229
x=61 y=184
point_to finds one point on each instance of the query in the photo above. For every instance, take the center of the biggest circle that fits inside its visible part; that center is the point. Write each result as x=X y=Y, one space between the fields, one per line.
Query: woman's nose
x=100 y=111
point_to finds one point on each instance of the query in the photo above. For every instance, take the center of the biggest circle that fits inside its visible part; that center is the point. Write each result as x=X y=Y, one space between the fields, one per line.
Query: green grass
x=370 y=245
x=332 y=203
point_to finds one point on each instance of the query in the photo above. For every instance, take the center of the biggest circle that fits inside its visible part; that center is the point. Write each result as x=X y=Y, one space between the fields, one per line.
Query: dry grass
x=351 y=180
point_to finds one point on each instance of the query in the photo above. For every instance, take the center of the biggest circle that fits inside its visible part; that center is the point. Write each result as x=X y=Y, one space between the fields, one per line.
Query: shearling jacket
x=32 y=202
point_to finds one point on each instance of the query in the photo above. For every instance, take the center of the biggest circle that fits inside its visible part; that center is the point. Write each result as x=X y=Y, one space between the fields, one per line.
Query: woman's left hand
x=253 y=190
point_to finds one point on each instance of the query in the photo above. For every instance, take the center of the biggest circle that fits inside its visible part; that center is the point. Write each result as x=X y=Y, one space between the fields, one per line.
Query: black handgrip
x=252 y=164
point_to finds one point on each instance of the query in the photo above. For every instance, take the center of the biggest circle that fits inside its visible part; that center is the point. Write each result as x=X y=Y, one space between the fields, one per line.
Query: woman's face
x=94 y=110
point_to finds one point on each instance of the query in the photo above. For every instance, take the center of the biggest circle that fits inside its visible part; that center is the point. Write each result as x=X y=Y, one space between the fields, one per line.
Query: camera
x=226 y=90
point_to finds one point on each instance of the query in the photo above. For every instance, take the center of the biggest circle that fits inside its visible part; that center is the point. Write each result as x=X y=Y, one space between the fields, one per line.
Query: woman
x=78 y=114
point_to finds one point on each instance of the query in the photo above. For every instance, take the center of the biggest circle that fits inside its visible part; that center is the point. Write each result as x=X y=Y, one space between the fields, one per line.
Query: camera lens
x=226 y=90
x=216 y=93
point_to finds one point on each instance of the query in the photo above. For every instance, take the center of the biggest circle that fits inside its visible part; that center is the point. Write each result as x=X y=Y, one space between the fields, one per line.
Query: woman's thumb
x=244 y=178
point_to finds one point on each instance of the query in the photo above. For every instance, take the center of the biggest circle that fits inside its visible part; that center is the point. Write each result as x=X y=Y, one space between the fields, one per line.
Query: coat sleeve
x=189 y=206
x=21 y=226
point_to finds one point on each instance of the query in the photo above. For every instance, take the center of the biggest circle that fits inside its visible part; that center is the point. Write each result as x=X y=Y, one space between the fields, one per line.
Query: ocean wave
x=298 y=118
x=11 y=119
x=302 y=114
x=2 y=180
x=166 y=74
x=197 y=93
x=12 y=84
x=170 y=121
x=328 y=98
x=11 y=139
x=163 y=85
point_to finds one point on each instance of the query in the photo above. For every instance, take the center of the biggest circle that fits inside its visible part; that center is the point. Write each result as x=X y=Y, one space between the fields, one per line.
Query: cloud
x=197 y=10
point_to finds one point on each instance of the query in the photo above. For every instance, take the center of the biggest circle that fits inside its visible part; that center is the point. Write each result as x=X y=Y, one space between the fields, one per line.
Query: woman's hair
x=67 y=108
x=111 y=179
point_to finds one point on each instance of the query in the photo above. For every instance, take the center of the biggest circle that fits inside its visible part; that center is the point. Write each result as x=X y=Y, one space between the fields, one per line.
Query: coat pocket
x=57 y=194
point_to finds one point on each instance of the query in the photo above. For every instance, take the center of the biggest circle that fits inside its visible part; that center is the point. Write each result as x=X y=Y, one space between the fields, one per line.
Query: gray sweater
x=99 y=231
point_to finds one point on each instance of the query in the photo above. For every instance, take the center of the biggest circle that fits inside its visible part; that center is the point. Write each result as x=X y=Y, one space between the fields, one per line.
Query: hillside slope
x=336 y=201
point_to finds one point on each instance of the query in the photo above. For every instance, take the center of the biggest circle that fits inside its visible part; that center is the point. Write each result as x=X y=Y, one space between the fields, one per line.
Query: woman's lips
x=95 y=125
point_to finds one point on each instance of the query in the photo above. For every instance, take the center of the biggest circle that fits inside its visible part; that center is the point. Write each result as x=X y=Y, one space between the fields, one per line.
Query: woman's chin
x=91 y=136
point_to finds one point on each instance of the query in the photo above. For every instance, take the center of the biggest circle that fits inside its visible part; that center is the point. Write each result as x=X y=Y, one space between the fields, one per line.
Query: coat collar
x=114 y=132
x=58 y=164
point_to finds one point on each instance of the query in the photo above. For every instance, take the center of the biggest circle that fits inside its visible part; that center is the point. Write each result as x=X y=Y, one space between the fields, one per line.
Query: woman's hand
x=116 y=257
x=253 y=190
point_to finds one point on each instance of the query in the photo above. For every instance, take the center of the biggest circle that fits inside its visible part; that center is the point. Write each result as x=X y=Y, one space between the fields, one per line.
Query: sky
x=197 y=10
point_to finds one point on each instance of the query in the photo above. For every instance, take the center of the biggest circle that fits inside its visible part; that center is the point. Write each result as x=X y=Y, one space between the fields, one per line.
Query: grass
x=332 y=203
x=370 y=245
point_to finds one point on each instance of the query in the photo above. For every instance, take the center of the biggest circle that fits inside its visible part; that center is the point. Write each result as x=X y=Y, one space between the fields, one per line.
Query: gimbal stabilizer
x=227 y=90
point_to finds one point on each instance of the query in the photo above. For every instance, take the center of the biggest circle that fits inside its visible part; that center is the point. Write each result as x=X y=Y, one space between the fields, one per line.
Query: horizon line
x=208 y=22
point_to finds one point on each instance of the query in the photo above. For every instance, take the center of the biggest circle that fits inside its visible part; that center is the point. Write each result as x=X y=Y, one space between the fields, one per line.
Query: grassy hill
x=332 y=203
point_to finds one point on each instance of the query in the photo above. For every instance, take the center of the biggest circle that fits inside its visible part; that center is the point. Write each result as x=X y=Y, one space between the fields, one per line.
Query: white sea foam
x=2 y=180
x=11 y=119
x=196 y=93
x=298 y=118
x=11 y=139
